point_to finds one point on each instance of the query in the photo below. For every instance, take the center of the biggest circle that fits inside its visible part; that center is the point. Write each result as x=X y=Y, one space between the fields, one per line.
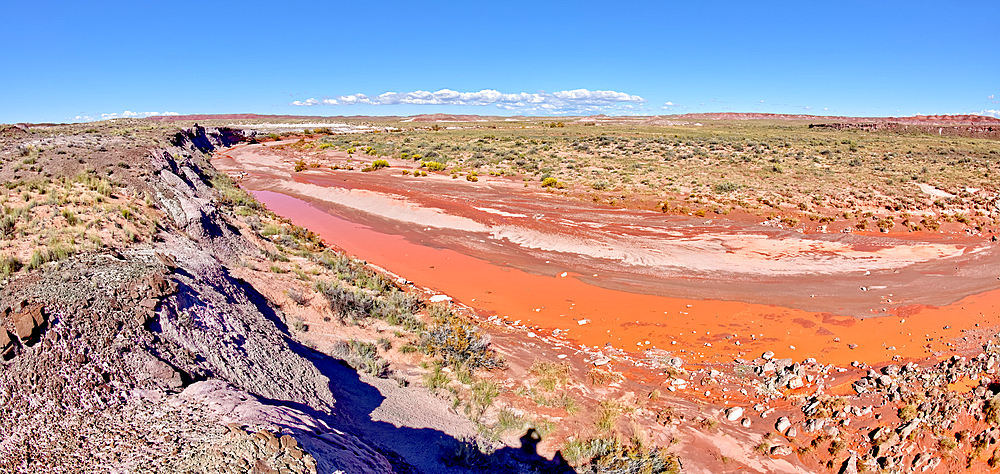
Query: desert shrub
x=9 y=264
x=472 y=177
x=551 y=182
x=607 y=415
x=354 y=272
x=550 y=374
x=436 y=378
x=908 y=413
x=398 y=308
x=603 y=377
x=726 y=187
x=509 y=420
x=457 y=341
x=484 y=392
x=230 y=194
x=53 y=253
x=297 y=296
x=379 y=164
x=947 y=443
x=346 y=303
x=299 y=325
x=610 y=455
x=7 y=226
x=836 y=446
x=362 y=356
x=432 y=165
x=991 y=409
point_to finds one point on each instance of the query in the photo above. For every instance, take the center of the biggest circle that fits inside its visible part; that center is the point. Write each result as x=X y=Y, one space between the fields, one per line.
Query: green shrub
x=379 y=164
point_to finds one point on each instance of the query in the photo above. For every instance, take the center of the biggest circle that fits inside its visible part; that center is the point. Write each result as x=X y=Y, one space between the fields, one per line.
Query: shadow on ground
x=410 y=450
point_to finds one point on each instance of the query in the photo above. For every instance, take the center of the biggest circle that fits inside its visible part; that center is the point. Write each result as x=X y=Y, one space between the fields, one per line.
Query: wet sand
x=705 y=289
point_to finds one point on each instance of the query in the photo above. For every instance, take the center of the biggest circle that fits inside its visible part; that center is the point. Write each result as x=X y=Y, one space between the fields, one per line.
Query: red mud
x=773 y=289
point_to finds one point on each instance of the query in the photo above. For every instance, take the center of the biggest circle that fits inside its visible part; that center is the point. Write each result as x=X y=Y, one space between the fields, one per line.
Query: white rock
x=440 y=298
x=782 y=424
x=767 y=355
x=734 y=413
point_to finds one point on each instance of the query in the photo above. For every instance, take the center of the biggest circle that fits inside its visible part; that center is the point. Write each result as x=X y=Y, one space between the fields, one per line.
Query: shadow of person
x=528 y=455
x=529 y=442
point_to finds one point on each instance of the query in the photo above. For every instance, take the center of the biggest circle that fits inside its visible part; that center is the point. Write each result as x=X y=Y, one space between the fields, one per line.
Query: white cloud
x=569 y=101
x=991 y=97
x=990 y=113
x=125 y=114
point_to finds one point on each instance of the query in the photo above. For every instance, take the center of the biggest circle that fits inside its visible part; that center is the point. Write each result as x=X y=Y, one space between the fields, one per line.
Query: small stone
x=767 y=355
x=795 y=382
x=745 y=422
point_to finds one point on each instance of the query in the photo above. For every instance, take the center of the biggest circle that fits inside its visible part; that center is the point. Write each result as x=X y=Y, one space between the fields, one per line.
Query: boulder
x=782 y=424
x=734 y=413
x=795 y=382
x=767 y=355
x=24 y=326
x=745 y=422
x=781 y=450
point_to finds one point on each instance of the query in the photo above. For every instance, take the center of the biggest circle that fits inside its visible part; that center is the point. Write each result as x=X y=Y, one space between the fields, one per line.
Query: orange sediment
x=708 y=331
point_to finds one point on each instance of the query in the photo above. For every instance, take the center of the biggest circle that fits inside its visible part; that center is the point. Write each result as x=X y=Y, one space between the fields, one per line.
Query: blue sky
x=73 y=61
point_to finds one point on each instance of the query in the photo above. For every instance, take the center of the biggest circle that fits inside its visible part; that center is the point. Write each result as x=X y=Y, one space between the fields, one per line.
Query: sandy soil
x=703 y=288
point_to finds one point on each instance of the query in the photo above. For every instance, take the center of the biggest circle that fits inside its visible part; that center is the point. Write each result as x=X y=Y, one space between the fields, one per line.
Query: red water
x=696 y=330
